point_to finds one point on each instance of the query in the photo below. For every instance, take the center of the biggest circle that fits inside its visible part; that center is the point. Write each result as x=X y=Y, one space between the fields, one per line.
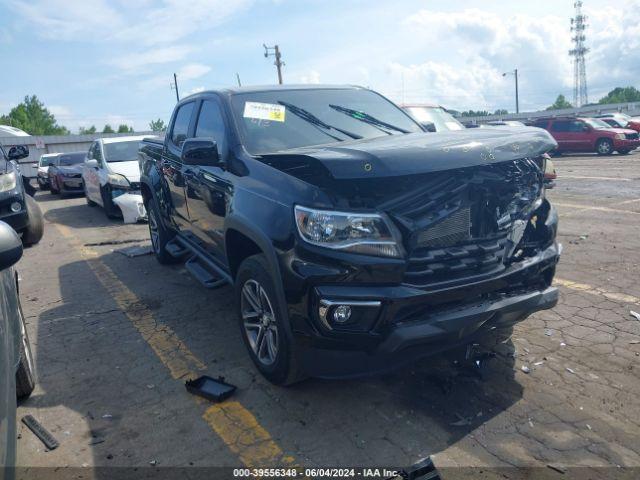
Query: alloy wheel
x=259 y=322
x=25 y=343
x=153 y=231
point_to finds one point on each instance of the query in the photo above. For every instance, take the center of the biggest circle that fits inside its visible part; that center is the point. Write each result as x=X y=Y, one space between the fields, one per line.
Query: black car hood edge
x=416 y=153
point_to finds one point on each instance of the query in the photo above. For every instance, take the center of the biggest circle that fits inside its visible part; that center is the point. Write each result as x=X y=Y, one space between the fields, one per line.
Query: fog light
x=16 y=207
x=342 y=313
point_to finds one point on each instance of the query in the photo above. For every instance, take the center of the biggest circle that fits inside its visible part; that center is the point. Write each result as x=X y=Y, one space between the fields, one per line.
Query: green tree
x=157 y=125
x=560 y=103
x=107 y=129
x=125 y=129
x=32 y=116
x=501 y=111
x=86 y=131
x=621 y=95
x=474 y=113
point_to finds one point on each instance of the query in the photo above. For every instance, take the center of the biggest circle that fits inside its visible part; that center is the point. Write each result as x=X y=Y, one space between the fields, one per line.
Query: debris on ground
x=562 y=344
x=135 y=251
x=461 y=422
x=107 y=415
x=39 y=431
x=556 y=468
x=212 y=389
x=635 y=314
x=537 y=364
x=116 y=242
x=525 y=369
x=548 y=332
x=153 y=463
x=570 y=370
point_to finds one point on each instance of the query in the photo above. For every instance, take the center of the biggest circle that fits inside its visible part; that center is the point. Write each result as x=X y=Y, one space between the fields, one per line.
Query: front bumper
x=132 y=207
x=626 y=144
x=17 y=220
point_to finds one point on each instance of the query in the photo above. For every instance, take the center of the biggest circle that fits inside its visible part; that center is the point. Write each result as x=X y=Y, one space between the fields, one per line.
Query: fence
x=39 y=145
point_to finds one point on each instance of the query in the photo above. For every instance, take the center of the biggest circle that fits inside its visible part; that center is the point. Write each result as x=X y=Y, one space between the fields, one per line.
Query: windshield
x=440 y=118
x=279 y=120
x=595 y=123
x=121 y=151
x=71 y=159
x=47 y=161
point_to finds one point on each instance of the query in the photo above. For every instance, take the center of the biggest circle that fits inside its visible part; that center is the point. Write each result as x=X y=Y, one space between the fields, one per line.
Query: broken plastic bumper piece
x=132 y=207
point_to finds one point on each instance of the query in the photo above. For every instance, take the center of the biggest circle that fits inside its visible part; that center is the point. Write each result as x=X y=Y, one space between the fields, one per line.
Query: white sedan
x=111 y=177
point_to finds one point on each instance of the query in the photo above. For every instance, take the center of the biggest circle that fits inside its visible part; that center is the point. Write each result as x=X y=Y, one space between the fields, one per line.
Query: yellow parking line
x=590 y=207
x=584 y=287
x=235 y=425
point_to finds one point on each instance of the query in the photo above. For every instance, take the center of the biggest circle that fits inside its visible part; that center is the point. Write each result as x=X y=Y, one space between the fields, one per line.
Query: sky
x=96 y=61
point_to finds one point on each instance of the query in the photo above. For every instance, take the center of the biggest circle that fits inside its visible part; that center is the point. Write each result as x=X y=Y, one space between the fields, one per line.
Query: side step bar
x=175 y=249
x=205 y=270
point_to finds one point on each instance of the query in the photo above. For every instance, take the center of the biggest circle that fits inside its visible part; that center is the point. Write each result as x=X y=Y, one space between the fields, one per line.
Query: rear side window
x=561 y=126
x=210 y=123
x=541 y=123
x=181 y=124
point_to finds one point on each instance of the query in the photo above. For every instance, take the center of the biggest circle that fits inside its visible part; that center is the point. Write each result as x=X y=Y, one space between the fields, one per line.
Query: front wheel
x=159 y=234
x=110 y=208
x=35 y=228
x=53 y=186
x=604 y=146
x=25 y=376
x=624 y=151
x=261 y=323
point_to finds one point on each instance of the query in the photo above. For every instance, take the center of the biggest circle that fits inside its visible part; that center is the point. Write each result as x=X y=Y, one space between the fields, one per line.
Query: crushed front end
x=479 y=256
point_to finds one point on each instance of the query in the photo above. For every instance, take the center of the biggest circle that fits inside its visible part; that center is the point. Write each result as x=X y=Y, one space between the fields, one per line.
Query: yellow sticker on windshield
x=264 y=111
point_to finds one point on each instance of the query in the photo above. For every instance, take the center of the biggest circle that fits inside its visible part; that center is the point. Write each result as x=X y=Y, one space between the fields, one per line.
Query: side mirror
x=18 y=152
x=428 y=126
x=92 y=163
x=10 y=246
x=200 y=151
x=586 y=128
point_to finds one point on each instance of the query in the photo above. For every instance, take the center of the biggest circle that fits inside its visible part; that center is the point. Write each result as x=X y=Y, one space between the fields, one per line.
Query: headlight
x=620 y=136
x=118 y=180
x=7 y=181
x=68 y=175
x=364 y=233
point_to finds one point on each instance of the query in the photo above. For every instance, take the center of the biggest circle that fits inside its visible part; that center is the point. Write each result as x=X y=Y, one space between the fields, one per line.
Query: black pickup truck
x=355 y=241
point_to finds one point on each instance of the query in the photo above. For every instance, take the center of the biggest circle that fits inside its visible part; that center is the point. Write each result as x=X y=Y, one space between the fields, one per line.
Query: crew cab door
x=171 y=165
x=208 y=188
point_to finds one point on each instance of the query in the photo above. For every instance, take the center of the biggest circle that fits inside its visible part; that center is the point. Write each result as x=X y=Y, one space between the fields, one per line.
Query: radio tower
x=578 y=26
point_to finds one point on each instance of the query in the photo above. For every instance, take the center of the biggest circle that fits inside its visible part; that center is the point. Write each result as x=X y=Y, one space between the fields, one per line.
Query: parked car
x=65 y=174
x=622 y=119
x=42 y=176
x=433 y=118
x=504 y=123
x=111 y=176
x=356 y=242
x=589 y=135
x=17 y=206
x=9 y=131
x=17 y=378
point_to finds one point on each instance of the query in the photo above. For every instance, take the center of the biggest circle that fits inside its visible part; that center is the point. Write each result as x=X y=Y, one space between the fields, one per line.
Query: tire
x=51 y=187
x=604 y=146
x=42 y=187
x=160 y=235
x=110 y=208
x=624 y=151
x=25 y=375
x=35 y=229
x=268 y=343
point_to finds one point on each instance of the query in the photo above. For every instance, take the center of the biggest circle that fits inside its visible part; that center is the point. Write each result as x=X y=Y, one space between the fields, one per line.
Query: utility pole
x=174 y=85
x=579 y=50
x=238 y=78
x=515 y=74
x=278 y=63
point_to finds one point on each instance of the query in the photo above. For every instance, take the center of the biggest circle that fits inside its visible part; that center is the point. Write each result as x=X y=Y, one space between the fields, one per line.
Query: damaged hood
x=416 y=153
x=131 y=169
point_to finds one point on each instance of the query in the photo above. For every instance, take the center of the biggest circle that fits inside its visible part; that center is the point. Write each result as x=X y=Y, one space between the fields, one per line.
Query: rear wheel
x=160 y=235
x=604 y=146
x=25 y=375
x=261 y=323
x=624 y=151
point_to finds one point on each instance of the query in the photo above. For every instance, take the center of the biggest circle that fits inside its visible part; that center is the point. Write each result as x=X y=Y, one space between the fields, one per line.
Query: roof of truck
x=270 y=88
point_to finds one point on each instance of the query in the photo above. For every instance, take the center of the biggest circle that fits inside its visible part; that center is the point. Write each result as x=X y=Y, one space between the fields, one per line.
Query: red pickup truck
x=589 y=135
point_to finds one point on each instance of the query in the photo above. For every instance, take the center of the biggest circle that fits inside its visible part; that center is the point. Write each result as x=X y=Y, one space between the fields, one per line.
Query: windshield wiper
x=312 y=119
x=366 y=118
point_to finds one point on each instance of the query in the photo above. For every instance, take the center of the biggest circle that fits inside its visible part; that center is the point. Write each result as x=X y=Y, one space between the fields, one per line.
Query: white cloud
x=196 y=90
x=193 y=71
x=312 y=76
x=134 y=62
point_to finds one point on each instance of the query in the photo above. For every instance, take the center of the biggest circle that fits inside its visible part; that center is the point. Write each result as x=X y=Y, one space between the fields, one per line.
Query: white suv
x=111 y=177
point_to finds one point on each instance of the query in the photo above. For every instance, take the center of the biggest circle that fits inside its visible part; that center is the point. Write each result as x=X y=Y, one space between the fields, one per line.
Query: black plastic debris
x=135 y=251
x=39 y=431
x=210 y=388
x=422 y=470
